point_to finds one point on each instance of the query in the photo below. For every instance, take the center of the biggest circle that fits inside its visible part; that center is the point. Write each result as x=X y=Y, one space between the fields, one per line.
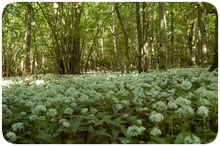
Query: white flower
x=84 y=110
x=192 y=139
x=155 y=131
x=160 y=106
x=185 y=111
x=135 y=130
x=17 y=126
x=40 y=108
x=156 y=117
x=23 y=113
x=62 y=120
x=183 y=101
x=41 y=118
x=139 y=122
x=203 y=111
x=186 y=85
x=68 y=111
x=11 y=136
x=118 y=107
x=33 y=117
x=29 y=104
x=172 y=104
x=66 y=124
x=52 y=112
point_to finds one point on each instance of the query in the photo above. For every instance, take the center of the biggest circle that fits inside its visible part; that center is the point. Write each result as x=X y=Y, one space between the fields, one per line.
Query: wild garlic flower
x=66 y=124
x=118 y=107
x=135 y=130
x=172 y=104
x=40 y=108
x=17 y=126
x=84 y=110
x=160 y=106
x=192 y=139
x=11 y=136
x=68 y=111
x=156 y=117
x=33 y=117
x=183 y=101
x=185 y=111
x=52 y=112
x=203 y=111
x=186 y=85
x=155 y=131
x=41 y=118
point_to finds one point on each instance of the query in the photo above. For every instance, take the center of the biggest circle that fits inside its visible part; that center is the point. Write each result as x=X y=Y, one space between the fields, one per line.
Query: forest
x=110 y=72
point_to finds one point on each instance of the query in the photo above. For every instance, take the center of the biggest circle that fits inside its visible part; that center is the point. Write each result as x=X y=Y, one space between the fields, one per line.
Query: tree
x=139 y=67
x=28 y=50
x=203 y=36
x=145 y=37
x=125 y=37
x=215 y=59
x=163 y=40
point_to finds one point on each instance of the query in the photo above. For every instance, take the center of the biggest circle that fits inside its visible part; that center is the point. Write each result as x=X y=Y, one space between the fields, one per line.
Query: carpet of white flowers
x=176 y=106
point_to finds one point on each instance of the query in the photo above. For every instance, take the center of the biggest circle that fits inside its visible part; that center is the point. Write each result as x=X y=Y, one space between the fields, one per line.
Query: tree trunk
x=28 y=50
x=76 y=41
x=163 y=41
x=145 y=37
x=215 y=59
x=203 y=36
x=34 y=63
x=172 y=59
x=125 y=38
x=139 y=37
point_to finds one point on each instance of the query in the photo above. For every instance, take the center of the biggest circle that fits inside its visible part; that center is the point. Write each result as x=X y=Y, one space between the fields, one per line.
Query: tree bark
x=28 y=50
x=215 y=59
x=139 y=38
x=163 y=40
x=203 y=36
x=172 y=59
x=145 y=37
x=125 y=38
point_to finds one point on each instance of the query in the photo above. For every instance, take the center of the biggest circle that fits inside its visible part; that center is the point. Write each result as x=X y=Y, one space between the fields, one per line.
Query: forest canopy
x=77 y=37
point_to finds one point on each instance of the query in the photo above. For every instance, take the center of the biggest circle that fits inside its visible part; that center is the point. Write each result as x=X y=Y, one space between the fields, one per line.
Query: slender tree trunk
x=203 y=36
x=215 y=59
x=163 y=40
x=139 y=37
x=172 y=59
x=28 y=50
x=145 y=37
x=34 y=63
x=125 y=38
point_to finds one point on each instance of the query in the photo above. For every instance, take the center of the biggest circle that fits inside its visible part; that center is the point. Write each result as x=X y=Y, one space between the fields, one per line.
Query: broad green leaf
x=45 y=137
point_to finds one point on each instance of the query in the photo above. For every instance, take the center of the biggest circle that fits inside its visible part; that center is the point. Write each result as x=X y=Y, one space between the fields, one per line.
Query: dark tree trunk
x=172 y=59
x=28 y=50
x=215 y=59
x=203 y=36
x=145 y=37
x=125 y=38
x=139 y=37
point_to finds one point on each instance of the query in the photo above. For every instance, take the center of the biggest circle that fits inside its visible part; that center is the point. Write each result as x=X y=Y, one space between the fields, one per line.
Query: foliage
x=177 y=106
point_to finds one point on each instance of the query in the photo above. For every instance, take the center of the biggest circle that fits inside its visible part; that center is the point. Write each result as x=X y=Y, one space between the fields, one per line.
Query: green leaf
x=180 y=137
x=159 y=140
x=115 y=132
x=45 y=137
x=91 y=134
x=102 y=132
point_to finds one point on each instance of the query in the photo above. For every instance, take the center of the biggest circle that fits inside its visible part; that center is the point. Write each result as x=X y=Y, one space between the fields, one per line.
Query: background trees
x=72 y=38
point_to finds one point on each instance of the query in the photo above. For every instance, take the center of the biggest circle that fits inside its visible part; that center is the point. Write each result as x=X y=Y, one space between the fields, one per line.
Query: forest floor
x=176 y=106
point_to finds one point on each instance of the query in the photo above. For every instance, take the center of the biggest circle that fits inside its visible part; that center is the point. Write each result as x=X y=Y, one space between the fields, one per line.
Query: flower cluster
x=135 y=130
